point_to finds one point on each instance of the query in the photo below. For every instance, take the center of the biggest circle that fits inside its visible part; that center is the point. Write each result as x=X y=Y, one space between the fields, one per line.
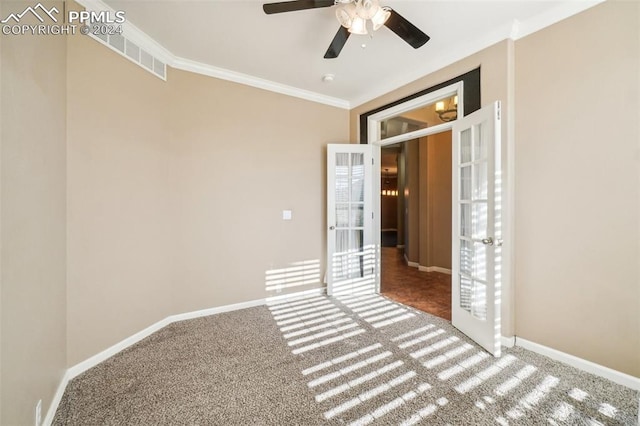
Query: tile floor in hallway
x=427 y=291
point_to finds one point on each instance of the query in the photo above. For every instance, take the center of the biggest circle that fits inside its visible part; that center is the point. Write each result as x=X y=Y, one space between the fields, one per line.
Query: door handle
x=487 y=241
x=331 y=228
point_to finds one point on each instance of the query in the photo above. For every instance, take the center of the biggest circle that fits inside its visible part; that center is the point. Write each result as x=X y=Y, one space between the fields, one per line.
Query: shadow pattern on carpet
x=355 y=360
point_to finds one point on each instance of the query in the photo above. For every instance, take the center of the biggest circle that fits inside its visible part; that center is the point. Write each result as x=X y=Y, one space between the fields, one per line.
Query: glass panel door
x=350 y=258
x=476 y=231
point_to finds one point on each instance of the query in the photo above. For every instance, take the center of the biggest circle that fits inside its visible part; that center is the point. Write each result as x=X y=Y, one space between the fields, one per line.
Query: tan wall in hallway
x=412 y=201
x=176 y=192
x=431 y=232
x=578 y=209
x=33 y=216
x=438 y=201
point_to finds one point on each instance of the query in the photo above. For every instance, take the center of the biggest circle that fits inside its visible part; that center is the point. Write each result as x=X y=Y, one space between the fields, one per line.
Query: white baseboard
x=509 y=342
x=400 y=246
x=410 y=263
x=131 y=340
x=581 y=364
x=57 y=397
x=434 y=269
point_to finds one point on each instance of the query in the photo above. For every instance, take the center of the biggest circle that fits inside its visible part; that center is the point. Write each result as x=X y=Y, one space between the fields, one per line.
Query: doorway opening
x=415 y=222
x=414 y=159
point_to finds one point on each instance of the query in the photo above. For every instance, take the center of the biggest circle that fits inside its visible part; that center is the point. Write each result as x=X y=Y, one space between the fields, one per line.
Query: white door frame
x=374 y=138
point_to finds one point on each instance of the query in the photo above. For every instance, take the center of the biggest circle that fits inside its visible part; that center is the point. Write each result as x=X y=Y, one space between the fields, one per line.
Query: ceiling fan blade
x=406 y=30
x=337 y=43
x=290 y=6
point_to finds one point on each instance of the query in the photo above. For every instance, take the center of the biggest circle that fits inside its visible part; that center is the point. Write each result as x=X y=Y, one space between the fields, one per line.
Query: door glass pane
x=479 y=300
x=342 y=215
x=479 y=261
x=465 y=146
x=357 y=177
x=357 y=215
x=465 y=220
x=342 y=177
x=356 y=240
x=465 y=293
x=480 y=181
x=479 y=145
x=466 y=257
x=340 y=256
x=479 y=219
x=465 y=183
x=438 y=112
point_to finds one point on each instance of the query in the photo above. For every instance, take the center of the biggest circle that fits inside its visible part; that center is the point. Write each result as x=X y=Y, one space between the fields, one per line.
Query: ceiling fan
x=353 y=16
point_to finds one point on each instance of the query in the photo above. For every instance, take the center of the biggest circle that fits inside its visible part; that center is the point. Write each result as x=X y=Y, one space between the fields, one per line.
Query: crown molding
x=513 y=31
x=556 y=14
x=456 y=53
x=260 y=83
x=147 y=43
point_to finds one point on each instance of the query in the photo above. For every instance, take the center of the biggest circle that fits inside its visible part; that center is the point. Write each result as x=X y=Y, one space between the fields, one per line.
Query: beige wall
x=412 y=201
x=33 y=216
x=429 y=179
x=176 y=192
x=389 y=205
x=122 y=206
x=437 y=201
x=244 y=155
x=578 y=187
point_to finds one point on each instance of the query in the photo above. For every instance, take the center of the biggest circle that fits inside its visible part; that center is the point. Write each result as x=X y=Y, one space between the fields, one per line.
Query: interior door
x=351 y=253
x=477 y=235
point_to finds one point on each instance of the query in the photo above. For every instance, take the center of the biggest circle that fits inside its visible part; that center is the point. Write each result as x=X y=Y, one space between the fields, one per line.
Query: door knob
x=331 y=228
x=487 y=241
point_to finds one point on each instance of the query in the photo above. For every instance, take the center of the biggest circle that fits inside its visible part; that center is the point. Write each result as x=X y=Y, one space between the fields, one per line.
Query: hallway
x=427 y=291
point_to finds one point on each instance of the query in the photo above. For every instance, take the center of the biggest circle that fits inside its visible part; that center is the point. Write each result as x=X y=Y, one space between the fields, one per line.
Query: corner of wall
x=33 y=223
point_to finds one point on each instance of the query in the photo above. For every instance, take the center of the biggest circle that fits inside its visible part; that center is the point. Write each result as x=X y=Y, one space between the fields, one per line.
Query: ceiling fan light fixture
x=345 y=15
x=367 y=9
x=358 y=26
x=381 y=16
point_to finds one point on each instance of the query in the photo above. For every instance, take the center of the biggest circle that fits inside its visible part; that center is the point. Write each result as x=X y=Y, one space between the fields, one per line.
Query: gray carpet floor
x=359 y=360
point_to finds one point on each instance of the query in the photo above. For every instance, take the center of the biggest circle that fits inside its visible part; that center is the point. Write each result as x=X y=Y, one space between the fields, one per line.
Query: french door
x=477 y=233
x=351 y=254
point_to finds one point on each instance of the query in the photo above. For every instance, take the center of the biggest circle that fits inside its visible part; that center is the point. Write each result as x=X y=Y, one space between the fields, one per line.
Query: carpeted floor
x=316 y=361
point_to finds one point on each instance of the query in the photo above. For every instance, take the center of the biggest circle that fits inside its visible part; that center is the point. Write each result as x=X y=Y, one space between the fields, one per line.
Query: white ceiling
x=286 y=50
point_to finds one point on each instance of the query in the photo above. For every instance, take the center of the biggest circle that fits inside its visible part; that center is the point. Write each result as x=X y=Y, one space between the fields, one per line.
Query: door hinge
x=371 y=215
x=498 y=109
x=372 y=161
